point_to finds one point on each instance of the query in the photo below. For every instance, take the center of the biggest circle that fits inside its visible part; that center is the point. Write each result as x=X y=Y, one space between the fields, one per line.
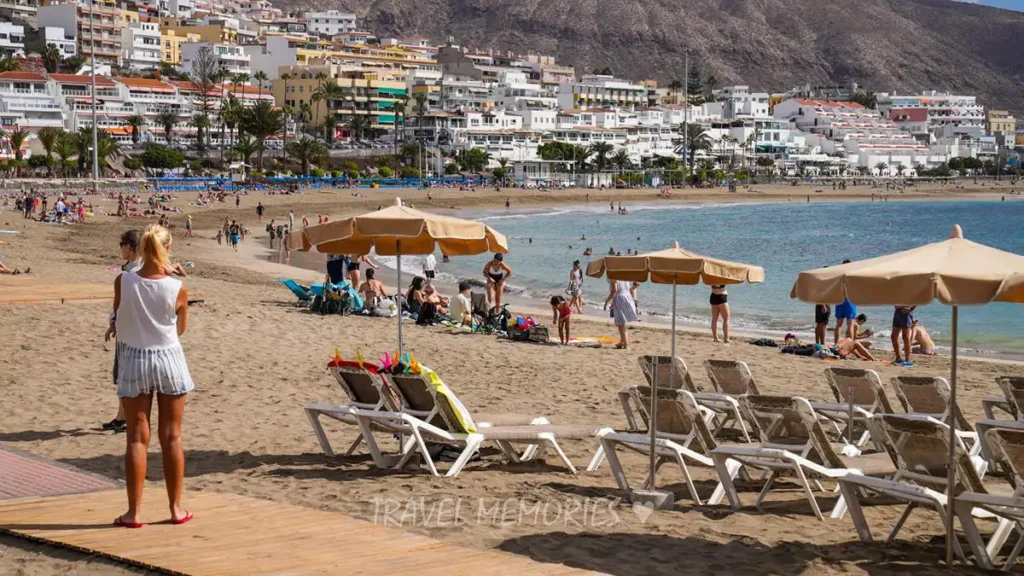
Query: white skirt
x=152 y=370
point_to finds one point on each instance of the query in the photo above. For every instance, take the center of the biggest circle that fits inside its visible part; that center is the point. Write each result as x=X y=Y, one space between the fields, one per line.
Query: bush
x=271 y=174
x=38 y=161
x=385 y=172
x=316 y=173
x=350 y=166
x=335 y=173
x=451 y=169
x=352 y=174
x=157 y=157
x=410 y=172
x=133 y=163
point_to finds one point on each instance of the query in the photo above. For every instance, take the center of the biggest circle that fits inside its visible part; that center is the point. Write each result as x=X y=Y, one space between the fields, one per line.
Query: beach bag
x=385 y=308
x=538 y=334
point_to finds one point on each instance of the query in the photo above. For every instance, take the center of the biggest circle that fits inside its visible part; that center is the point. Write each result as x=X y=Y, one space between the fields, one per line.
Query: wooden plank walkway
x=240 y=535
x=33 y=289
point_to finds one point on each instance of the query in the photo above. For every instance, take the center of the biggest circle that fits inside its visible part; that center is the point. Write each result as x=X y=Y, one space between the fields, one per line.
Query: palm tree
x=230 y=113
x=240 y=79
x=18 y=138
x=287 y=107
x=601 y=150
x=137 y=123
x=675 y=86
x=201 y=122
x=48 y=138
x=9 y=64
x=83 y=147
x=696 y=139
x=900 y=168
x=305 y=114
x=263 y=121
x=106 y=147
x=358 y=127
x=260 y=77
x=881 y=166
x=330 y=126
x=307 y=150
x=246 y=147
x=319 y=93
x=65 y=148
x=167 y=119
x=920 y=169
x=51 y=57
x=621 y=160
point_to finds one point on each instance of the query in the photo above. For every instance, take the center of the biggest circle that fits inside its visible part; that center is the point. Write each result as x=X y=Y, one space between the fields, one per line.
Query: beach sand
x=257 y=359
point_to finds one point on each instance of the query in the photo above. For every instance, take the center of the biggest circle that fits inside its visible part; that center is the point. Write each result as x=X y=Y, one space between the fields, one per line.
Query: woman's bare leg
x=499 y=291
x=172 y=410
x=353 y=279
x=623 y=337
x=714 y=322
x=120 y=410
x=726 y=316
x=491 y=289
x=136 y=411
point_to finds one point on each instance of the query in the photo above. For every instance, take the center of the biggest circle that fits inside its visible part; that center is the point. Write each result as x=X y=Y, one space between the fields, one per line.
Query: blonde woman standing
x=151 y=312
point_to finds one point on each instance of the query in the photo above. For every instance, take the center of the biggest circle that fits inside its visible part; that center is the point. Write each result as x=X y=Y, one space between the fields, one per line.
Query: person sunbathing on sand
x=849 y=347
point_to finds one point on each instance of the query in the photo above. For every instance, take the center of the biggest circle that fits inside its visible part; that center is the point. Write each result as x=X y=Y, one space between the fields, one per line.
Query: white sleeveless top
x=146 y=317
x=149 y=356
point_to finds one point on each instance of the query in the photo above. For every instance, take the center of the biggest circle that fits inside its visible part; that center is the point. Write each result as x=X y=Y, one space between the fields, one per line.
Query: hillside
x=884 y=45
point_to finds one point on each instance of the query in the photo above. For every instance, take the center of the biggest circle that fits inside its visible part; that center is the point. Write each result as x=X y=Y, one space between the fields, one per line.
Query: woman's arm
x=181 y=309
x=554 y=312
x=507 y=269
x=611 y=294
x=112 y=329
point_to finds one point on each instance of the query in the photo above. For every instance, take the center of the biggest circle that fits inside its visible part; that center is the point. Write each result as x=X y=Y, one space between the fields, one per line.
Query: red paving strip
x=26 y=476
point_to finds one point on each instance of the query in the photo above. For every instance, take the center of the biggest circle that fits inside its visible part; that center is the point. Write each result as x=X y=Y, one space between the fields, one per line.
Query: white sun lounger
x=362 y=388
x=868 y=398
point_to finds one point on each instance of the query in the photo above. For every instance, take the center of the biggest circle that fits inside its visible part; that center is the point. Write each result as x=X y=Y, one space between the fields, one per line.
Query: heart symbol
x=643 y=511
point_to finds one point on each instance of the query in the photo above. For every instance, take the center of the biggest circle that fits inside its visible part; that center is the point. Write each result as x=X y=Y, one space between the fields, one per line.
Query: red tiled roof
x=146 y=85
x=25 y=76
x=909 y=114
x=104 y=81
x=828 y=103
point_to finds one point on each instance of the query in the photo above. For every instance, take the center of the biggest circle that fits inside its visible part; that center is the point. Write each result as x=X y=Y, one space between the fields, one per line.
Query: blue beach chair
x=301 y=292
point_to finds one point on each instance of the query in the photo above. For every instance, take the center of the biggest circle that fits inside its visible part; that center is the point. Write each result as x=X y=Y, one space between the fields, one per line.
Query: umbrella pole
x=652 y=425
x=398 y=292
x=951 y=473
x=673 y=316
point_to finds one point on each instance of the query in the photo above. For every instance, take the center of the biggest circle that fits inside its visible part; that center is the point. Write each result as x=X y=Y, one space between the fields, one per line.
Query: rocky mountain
x=774 y=45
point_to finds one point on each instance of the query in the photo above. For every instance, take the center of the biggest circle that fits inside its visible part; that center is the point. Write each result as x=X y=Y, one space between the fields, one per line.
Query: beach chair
x=792 y=430
x=868 y=398
x=453 y=425
x=1008 y=451
x=929 y=396
x=680 y=424
x=673 y=374
x=301 y=292
x=920 y=447
x=363 y=388
x=732 y=378
x=1010 y=402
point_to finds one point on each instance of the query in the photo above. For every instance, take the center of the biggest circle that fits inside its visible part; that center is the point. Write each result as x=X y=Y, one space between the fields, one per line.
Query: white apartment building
x=28 y=102
x=12 y=39
x=64 y=40
x=181 y=8
x=740 y=102
x=469 y=95
x=270 y=56
x=598 y=91
x=330 y=22
x=864 y=137
x=20 y=11
x=150 y=98
x=230 y=56
x=140 y=42
x=513 y=90
x=942 y=109
x=74 y=93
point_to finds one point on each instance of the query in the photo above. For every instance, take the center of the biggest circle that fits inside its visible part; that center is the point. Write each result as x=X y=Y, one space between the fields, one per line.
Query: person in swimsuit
x=575 y=290
x=922 y=341
x=354 y=260
x=822 y=312
x=372 y=290
x=562 y=313
x=720 y=309
x=850 y=347
x=497 y=274
x=902 y=325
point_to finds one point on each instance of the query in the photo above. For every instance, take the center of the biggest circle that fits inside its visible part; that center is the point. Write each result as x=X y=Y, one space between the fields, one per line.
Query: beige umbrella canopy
x=673 y=266
x=399 y=230
x=956 y=272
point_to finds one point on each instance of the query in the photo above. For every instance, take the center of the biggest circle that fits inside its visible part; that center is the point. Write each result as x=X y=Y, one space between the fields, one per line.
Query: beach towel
x=464 y=420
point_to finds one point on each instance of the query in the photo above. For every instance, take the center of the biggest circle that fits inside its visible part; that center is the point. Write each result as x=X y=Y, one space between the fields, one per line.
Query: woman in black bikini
x=354 y=261
x=720 y=309
x=497 y=274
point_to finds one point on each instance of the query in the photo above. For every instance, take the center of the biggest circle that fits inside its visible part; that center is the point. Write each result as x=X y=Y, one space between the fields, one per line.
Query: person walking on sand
x=575 y=290
x=259 y=211
x=720 y=309
x=188 y=226
x=429 y=267
x=234 y=234
x=497 y=274
x=902 y=325
x=622 y=299
x=151 y=313
x=129 y=246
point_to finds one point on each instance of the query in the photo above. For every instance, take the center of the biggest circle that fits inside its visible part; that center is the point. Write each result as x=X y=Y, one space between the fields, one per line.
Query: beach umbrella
x=956 y=272
x=673 y=266
x=396 y=231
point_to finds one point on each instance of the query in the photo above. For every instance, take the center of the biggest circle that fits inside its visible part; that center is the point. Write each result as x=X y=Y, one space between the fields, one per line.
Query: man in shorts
x=845 y=313
x=902 y=325
x=822 y=313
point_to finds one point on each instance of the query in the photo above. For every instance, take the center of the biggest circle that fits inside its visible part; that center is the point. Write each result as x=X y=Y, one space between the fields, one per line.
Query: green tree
x=260 y=77
x=201 y=122
x=694 y=87
x=330 y=127
x=263 y=121
x=167 y=120
x=696 y=139
x=881 y=167
x=106 y=148
x=600 y=151
x=621 y=159
x=206 y=73
x=500 y=174
x=48 y=138
x=65 y=148
x=676 y=86
x=385 y=172
x=9 y=64
x=51 y=58
x=246 y=147
x=900 y=168
x=286 y=77
x=709 y=85
x=18 y=138
x=358 y=126
x=957 y=164
x=865 y=99
x=137 y=122
x=161 y=158
x=306 y=151
x=474 y=159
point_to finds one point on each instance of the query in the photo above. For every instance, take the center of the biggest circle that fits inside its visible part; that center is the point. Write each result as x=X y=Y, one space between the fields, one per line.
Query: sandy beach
x=257 y=359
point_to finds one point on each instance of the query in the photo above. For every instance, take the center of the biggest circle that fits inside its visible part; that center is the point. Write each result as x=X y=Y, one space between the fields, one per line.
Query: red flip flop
x=122 y=524
x=188 y=517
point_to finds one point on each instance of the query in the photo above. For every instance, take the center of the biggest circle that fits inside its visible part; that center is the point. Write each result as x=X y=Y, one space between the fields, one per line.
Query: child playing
x=562 y=314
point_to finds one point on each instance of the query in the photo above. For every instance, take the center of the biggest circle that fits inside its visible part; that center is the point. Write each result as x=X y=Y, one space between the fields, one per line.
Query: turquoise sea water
x=784 y=238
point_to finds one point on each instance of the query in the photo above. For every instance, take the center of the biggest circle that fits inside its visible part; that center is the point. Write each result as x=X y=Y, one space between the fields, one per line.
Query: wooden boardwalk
x=241 y=535
x=32 y=289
